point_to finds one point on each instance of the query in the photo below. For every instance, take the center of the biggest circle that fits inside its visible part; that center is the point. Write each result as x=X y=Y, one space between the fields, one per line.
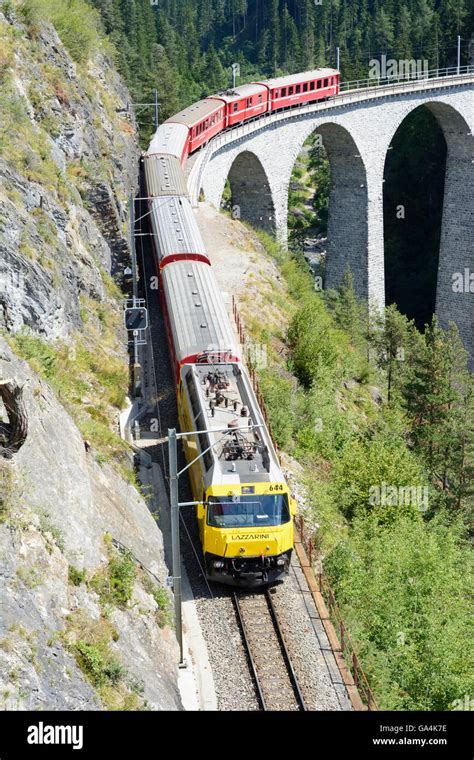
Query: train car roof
x=169 y=138
x=197 y=314
x=175 y=227
x=244 y=91
x=305 y=76
x=164 y=175
x=263 y=466
x=195 y=113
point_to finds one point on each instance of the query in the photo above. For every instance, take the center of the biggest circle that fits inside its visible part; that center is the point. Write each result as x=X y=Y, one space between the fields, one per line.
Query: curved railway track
x=275 y=679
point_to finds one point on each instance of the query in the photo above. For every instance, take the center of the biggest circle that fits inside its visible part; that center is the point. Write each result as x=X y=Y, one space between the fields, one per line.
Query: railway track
x=273 y=673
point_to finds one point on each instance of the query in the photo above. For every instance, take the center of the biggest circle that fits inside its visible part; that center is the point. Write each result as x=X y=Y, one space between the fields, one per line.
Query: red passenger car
x=243 y=103
x=203 y=119
x=302 y=88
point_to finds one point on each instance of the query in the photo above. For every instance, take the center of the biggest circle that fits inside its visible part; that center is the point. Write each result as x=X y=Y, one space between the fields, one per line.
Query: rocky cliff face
x=84 y=621
x=68 y=162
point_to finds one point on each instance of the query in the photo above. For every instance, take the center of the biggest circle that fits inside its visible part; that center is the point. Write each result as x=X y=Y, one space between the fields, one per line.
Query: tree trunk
x=12 y=396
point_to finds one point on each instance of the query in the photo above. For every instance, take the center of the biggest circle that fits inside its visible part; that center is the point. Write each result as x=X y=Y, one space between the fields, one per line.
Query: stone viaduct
x=356 y=129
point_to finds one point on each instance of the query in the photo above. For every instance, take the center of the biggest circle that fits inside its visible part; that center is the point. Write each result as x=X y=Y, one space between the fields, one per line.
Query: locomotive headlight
x=218 y=564
x=281 y=561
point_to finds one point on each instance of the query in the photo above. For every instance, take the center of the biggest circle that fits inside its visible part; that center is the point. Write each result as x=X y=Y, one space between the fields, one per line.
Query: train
x=244 y=505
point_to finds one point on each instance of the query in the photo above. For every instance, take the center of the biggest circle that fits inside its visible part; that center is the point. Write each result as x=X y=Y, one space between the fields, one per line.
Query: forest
x=185 y=48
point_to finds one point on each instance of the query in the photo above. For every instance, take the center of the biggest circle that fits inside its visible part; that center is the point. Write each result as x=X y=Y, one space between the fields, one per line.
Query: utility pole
x=459 y=53
x=175 y=542
x=338 y=56
x=155 y=108
x=136 y=365
x=235 y=73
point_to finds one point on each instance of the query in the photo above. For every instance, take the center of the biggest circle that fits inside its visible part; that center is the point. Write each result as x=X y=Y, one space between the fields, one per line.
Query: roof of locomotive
x=164 y=175
x=196 y=310
x=195 y=113
x=244 y=91
x=304 y=76
x=175 y=227
x=263 y=466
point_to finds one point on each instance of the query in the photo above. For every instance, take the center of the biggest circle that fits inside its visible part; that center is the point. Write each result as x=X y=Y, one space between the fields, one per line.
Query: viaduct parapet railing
x=351 y=93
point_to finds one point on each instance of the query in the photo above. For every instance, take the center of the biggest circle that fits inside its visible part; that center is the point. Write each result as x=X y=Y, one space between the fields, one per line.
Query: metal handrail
x=356 y=84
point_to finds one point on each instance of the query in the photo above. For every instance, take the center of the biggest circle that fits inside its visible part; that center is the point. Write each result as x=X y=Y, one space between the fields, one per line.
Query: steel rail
x=292 y=677
x=286 y=654
x=253 y=667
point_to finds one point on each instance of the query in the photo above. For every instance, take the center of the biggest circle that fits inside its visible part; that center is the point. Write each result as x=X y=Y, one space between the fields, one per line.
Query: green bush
x=115 y=584
x=317 y=345
x=365 y=474
x=123 y=572
x=162 y=598
x=76 y=577
x=98 y=665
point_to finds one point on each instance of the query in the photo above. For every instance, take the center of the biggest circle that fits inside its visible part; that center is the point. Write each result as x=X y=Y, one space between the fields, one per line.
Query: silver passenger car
x=175 y=231
x=197 y=320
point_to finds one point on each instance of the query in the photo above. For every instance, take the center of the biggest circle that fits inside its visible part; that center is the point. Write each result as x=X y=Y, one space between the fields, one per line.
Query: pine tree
x=438 y=397
x=212 y=72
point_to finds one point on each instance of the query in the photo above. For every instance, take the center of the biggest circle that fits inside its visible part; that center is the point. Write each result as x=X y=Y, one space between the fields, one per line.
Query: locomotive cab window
x=236 y=107
x=248 y=511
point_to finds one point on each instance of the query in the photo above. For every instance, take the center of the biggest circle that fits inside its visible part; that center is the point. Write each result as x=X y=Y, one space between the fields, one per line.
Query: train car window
x=260 y=98
x=290 y=90
x=311 y=85
x=298 y=88
x=325 y=82
x=204 y=444
x=192 y=394
x=319 y=84
x=283 y=92
x=236 y=107
x=305 y=87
